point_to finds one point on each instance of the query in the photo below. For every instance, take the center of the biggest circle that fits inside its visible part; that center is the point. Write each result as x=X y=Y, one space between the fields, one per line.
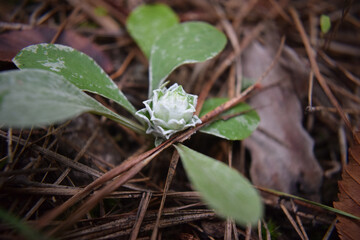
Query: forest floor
x=308 y=105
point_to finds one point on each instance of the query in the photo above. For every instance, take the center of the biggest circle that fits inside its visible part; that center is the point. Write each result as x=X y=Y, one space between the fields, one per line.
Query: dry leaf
x=349 y=196
x=12 y=42
x=281 y=150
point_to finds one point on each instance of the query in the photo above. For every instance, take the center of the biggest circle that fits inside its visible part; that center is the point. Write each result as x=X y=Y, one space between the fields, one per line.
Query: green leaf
x=188 y=42
x=147 y=22
x=100 y=11
x=74 y=66
x=222 y=188
x=38 y=97
x=325 y=23
x=243 y=122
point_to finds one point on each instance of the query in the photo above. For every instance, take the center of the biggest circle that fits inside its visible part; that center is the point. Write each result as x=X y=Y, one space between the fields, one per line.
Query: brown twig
x=315 y=68
x=45 y=220
x=170 y=175
x=124 y=65
x=235 y=86
x=292 y=221
x=98 y=196
x=63 y=25
x=298 y=220
x=334 y=64
x=58 y=157
x=145 y=200
x=122 y=226
x=244 y=11
x=106 y=22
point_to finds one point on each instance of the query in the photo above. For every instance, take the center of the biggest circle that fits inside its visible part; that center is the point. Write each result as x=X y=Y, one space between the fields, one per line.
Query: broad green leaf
x=38 y=97
x=188 y=42
x=74 y=66
x=147 y=22
x=221 y=187
x=325 y=23
x=243 y=120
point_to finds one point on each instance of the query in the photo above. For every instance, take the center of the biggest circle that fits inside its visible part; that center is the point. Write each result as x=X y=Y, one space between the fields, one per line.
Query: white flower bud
x=168 y=112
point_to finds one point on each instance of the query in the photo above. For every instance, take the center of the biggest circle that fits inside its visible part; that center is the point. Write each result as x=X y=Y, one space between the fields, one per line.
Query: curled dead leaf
x=349 y=195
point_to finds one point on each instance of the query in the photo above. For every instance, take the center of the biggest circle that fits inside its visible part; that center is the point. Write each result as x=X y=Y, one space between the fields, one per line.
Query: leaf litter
x=281 y=150
x=283 y=154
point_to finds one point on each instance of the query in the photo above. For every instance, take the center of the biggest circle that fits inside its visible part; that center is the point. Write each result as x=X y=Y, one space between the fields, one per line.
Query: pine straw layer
x=42 y=168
